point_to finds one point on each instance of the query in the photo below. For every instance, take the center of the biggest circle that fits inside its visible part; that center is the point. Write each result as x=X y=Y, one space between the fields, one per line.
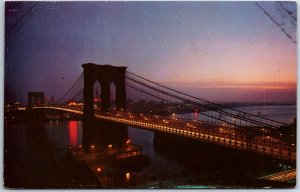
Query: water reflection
x=109 y=154
x=73 y=133
x=127 y=176
x=36 y=156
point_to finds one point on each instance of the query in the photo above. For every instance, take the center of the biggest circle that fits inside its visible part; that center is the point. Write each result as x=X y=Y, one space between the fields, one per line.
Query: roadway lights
x=109 y=146
x=98 y=169
x=93 y=146
x=128 y=141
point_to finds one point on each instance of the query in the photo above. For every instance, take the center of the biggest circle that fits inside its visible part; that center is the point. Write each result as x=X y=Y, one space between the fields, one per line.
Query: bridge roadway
x=206 y=131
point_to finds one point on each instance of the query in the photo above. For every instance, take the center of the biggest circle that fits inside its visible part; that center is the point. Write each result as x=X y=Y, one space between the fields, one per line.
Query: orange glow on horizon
x=225 y=84
x=260 y=61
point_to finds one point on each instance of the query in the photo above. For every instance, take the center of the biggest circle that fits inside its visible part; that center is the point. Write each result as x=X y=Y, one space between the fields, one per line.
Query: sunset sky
x=221 y=51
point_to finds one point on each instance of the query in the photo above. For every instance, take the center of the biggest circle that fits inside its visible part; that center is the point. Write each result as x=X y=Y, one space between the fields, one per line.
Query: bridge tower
x=105 y=75
x=37 y=97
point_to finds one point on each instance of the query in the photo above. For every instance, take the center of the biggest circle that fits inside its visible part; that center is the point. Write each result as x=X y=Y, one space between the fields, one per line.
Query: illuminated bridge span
x=146 y=104
x=264 y=143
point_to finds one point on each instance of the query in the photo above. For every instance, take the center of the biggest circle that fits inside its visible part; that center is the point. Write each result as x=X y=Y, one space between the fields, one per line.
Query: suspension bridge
x=145 y=104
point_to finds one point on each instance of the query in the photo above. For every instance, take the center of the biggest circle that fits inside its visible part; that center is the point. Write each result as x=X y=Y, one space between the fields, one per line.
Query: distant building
x=52 y=100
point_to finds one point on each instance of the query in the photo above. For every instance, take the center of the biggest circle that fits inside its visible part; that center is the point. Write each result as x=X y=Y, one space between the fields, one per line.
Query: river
x=34 y=152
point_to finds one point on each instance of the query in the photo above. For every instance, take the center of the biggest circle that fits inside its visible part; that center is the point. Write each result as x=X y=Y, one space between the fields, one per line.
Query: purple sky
x=221 y=51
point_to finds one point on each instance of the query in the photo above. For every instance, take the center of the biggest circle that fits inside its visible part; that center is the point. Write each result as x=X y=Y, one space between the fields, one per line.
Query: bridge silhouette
x=213 y=123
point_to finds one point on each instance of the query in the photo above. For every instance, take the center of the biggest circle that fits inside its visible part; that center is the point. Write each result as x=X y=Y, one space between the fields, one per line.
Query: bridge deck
x=280 y=150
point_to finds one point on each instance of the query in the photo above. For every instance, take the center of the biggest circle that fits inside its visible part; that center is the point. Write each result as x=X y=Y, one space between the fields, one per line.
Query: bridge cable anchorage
x=215 y=106
x=70 y=89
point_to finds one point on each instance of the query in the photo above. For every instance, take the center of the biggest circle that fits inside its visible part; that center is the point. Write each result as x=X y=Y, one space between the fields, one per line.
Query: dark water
x=285 y=114
x=35 y=156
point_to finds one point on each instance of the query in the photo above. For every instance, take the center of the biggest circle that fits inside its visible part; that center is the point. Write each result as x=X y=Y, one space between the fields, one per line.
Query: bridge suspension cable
x=214 y=111
x=179 y=102
x=74 y=85
x=171 y=102
x=237 y=114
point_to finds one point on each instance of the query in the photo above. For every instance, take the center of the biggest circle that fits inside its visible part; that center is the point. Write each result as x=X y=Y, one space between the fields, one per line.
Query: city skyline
x=225 y=51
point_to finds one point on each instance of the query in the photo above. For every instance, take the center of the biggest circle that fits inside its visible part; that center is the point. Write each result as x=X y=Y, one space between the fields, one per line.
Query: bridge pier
x=101 y=134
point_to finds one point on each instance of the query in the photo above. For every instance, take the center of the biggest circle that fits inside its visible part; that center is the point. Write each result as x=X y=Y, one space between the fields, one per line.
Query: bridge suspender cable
x=205 y=106
x=214 y=104
x=175 y=104
x=69 y=90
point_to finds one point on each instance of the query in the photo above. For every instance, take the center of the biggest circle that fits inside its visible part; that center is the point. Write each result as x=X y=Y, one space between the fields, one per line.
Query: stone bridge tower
x=37 y=97
x=105 y=75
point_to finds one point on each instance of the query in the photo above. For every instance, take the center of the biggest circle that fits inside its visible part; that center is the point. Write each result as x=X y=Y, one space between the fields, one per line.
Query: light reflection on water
x=65 y=133
x=73 y=133
x=161 y=165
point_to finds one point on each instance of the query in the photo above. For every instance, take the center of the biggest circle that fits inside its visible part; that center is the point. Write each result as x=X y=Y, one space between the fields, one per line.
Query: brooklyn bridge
x=214 y=123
